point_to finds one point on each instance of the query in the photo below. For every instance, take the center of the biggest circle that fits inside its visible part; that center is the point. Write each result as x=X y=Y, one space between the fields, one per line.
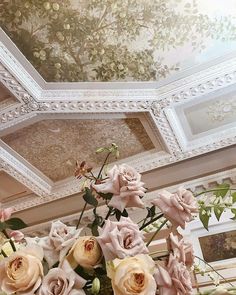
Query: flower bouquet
x=110 y=254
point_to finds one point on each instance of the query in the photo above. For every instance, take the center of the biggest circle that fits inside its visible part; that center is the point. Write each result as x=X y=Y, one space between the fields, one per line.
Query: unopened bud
x=95 y=286
x=100 y=150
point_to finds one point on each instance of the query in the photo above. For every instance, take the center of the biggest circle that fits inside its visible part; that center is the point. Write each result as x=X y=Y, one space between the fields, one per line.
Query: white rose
x=59 y=241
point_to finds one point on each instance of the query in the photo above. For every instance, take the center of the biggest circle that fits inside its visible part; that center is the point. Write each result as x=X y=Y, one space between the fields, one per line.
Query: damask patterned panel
x=53 y=146
x=119 y=40
x=6 y=98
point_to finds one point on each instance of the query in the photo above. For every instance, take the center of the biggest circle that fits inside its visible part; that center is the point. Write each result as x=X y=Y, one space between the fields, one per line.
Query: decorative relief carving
x=153 y=101
x=222 y=109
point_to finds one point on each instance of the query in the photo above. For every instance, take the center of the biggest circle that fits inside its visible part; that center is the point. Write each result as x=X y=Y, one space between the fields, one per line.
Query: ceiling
x=119 y=40
x=11 y=189
x=158 y=78
x=54 y=146
x=6 y=97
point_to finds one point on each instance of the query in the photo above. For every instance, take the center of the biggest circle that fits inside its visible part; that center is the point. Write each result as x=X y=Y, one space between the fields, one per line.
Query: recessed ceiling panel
x=6 y=98
x=11 y=189
x=211 y=114
x=119 y=40
x=53 y=146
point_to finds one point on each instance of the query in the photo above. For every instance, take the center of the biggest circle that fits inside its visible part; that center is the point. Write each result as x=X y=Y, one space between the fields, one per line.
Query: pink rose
x=5 y=214
x=182 y=249
x=174 y=279
x=125 y=184
x=62 y=282
x=121 y=239
x=178 y=207
x=164 y=281
x=22 y=271
x=59 y=241
x=16 y=235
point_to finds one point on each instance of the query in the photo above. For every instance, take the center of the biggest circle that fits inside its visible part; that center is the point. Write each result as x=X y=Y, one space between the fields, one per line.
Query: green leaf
x=83 y=273
x=100 y=271
x=234 y=197
x=3 y=226
x=118 y=214
x=15 y=223
x=151 y=212
x=125 y=213
x=89 y=197
x=204 y=217
x=222 y=190
x=218 y=211
x=107 y=196
x=94 y=230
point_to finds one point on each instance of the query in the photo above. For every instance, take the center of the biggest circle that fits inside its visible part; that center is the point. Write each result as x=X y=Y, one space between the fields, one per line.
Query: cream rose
x=85 y=252
x=60 y=282
x=121 y=239
x=178 y=207
x=182 y=249
x=59 y=241
x=132 y=275
x=125 y=184
x=22 y=272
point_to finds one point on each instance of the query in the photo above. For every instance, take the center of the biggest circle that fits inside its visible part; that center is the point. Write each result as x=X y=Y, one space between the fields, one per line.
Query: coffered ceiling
x=54 y=146
x=158 y=78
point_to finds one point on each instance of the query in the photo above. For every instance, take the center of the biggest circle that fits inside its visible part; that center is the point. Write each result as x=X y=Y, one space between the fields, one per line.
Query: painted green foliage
x=93 y=40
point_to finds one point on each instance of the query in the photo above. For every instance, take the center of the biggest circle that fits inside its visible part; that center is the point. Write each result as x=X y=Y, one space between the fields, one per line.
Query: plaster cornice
x=36 y=98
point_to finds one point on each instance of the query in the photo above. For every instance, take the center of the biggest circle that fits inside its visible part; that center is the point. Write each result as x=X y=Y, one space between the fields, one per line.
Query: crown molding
x=38 y=98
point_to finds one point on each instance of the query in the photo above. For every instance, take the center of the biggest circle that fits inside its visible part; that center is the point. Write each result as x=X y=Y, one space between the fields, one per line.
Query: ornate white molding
x=39 y=98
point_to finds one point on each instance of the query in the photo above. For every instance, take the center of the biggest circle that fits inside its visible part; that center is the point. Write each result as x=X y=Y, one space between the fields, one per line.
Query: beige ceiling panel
x=53 y=146
x=6 y=98
x=11 y=189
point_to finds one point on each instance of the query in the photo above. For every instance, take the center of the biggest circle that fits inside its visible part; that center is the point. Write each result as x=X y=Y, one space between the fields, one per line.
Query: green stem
x=104 y=163
x=151 y=221
x=156 y=232
x=3 y=253
x=108 y=214
x=10 y=240
x=208 y=264
x=81 y=214
x=213 y=190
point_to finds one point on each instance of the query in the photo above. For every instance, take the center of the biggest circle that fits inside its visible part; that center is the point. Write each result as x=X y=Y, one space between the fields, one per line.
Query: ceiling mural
x=119 y=40
x=53 y=146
